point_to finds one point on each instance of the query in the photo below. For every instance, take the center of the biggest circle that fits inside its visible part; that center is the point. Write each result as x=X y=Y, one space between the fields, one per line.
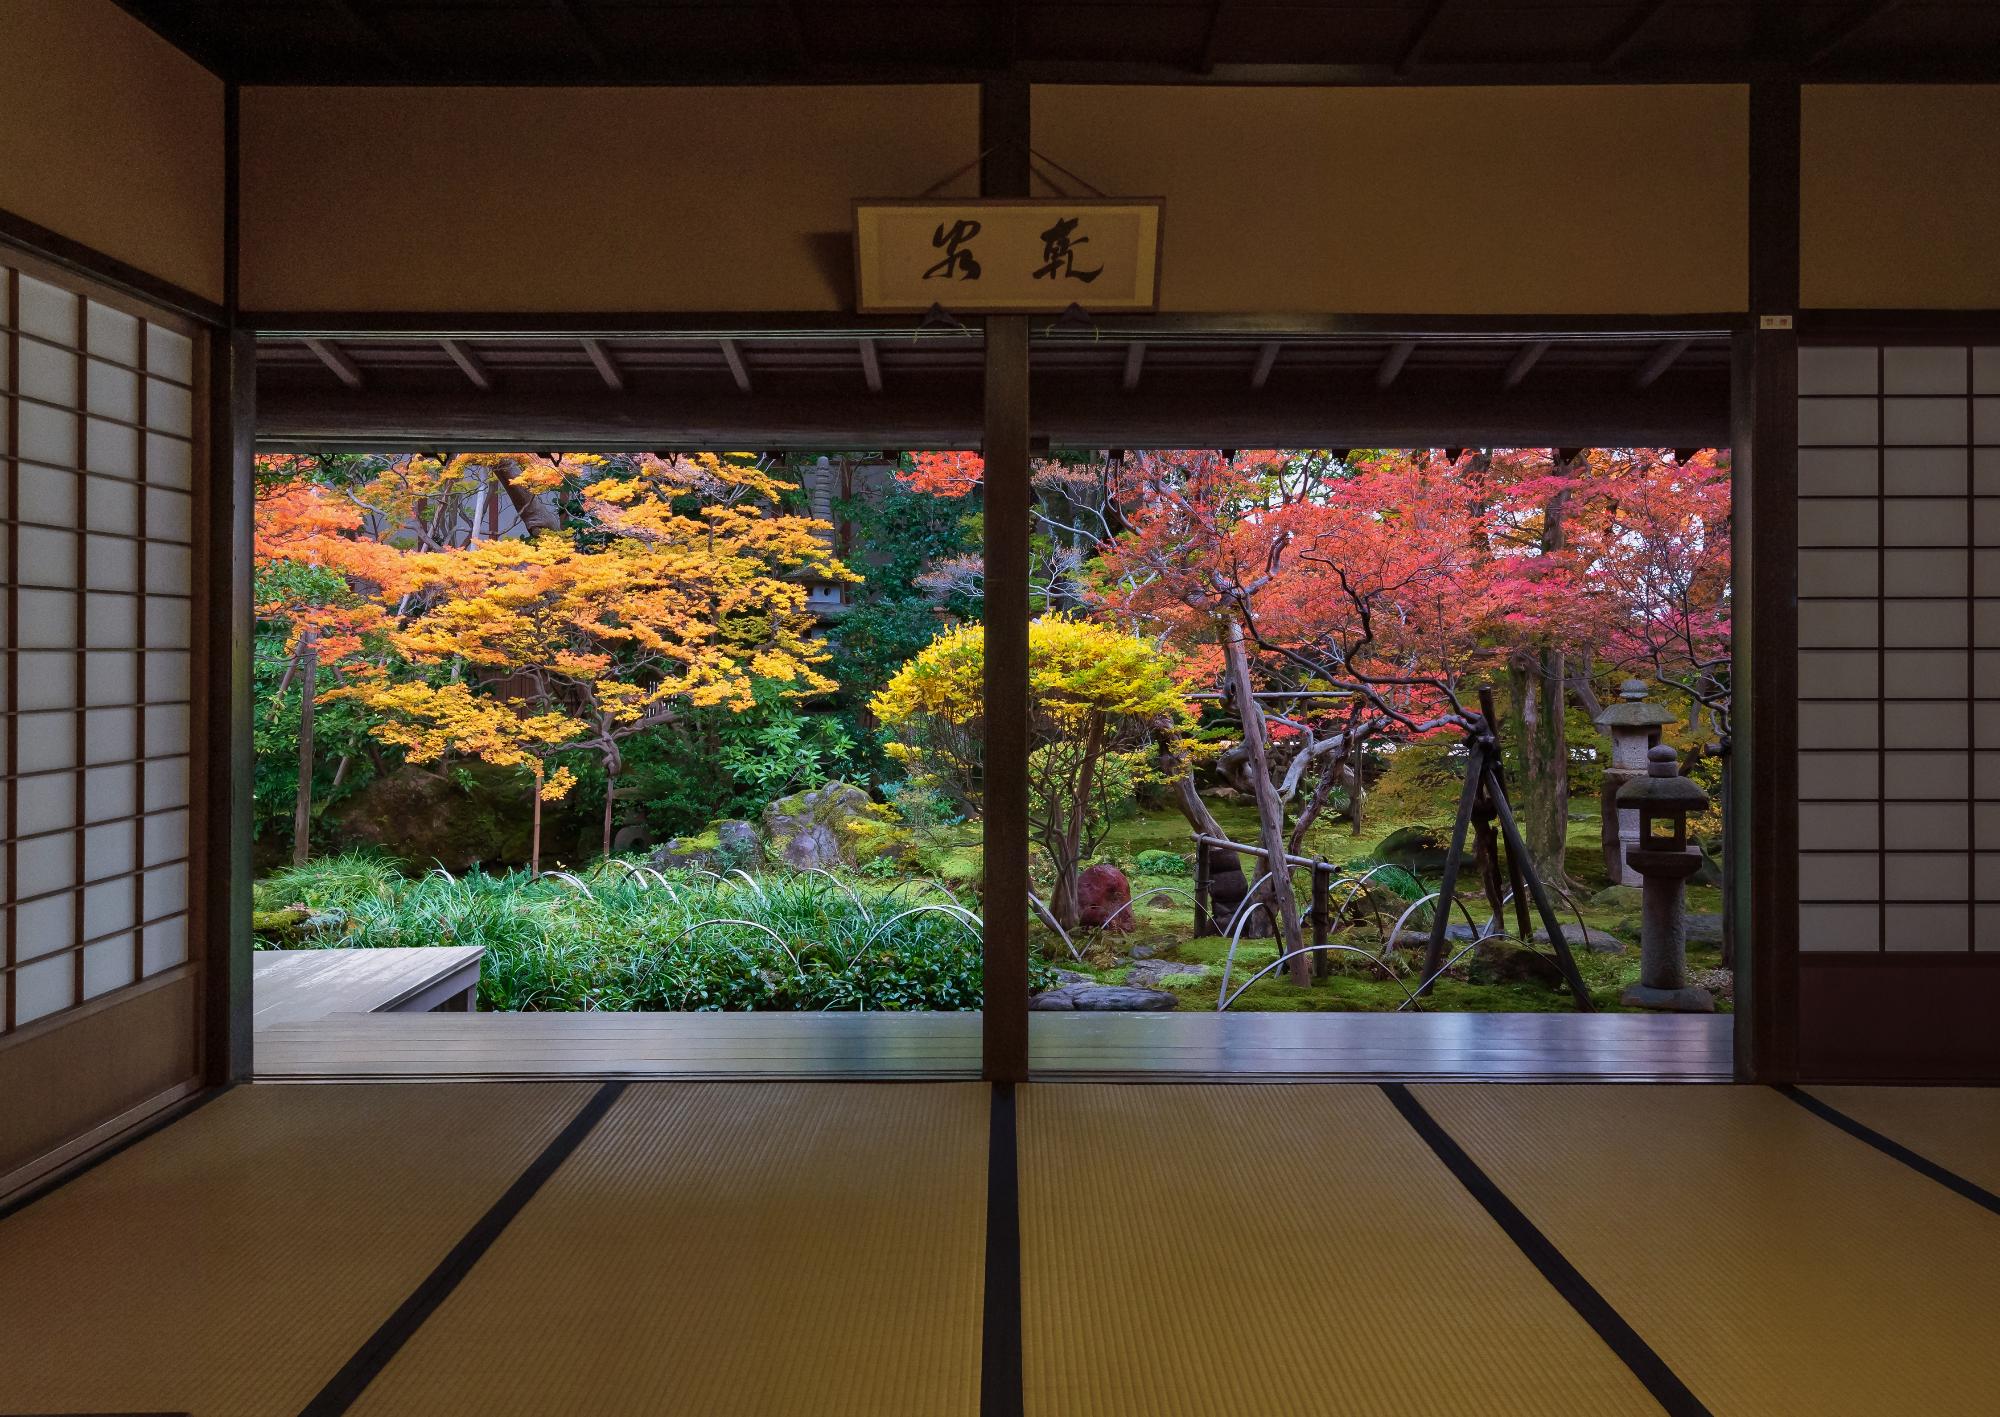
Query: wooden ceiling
x=1165 y=41
x=1158 y=387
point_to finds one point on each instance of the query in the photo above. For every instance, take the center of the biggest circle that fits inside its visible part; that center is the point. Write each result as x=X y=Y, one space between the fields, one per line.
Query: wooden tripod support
x=1483 y=799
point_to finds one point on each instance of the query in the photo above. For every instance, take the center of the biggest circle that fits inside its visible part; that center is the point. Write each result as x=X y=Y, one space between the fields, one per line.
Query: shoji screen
x=98 y=435
x=1899 y=649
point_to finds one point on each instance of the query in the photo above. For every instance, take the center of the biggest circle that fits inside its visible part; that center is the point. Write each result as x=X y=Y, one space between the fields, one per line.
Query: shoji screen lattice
x=97 y=437
x=1899 y=648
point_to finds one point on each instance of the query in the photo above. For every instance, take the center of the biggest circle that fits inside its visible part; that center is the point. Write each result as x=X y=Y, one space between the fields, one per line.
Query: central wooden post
x=1003 y=139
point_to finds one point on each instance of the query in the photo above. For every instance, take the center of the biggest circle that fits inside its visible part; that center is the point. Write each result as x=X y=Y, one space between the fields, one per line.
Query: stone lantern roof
x=1634 y=711
x=1663 y=788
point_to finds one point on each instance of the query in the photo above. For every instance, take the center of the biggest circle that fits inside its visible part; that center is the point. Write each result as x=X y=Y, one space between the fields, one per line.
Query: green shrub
x=1160 y=863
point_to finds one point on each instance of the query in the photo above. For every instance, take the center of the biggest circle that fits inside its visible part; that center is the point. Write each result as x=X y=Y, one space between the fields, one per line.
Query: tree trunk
x=1062 y=898
x=1270 y=808
x=614 y=766
x=535 y=832
x=1535 y=678
x=536 y=516
x=1539 y=678
x=302 y=810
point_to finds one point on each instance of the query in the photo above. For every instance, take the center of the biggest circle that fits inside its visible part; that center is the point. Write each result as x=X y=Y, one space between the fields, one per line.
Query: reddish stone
x=1100 y=892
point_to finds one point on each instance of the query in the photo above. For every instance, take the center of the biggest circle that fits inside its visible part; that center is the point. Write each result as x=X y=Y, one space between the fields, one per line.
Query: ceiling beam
x=468 y=365
x=871 y=366
x=1530 y=355
x=1627 y=38
x=1393 y=362
x=1846 y=29
x=335 y=358
x=581 y=36
x=738 y=370
x=607 y=369
x=1661 y=360
x=1135 y=361
x=1413 y=51
x=1205 y=62
x=377 y=37
x=1267 y=359
x=794 y=35
x=1689 y=408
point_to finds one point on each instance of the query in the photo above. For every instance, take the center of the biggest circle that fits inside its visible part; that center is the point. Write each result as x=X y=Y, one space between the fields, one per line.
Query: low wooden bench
x=292 y=986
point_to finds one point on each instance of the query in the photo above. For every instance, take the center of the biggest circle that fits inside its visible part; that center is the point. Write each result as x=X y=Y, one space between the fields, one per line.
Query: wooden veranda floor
x=1523 y=1047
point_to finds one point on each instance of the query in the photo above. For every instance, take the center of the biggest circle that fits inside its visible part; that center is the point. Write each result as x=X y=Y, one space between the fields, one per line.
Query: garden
x=706 y=731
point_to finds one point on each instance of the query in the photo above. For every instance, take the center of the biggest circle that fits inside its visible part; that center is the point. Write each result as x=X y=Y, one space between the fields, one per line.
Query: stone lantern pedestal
x=1664 y=861
x=1634 y=725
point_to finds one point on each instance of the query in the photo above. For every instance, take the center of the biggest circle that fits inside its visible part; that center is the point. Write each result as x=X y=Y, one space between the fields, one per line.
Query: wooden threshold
x=918 y=1047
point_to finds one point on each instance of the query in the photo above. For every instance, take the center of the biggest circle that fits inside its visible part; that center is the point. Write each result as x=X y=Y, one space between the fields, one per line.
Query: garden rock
x=1104 y=998
x=1102 y=893
x=1596 y=941
x=816 y=829
x=1416 y=939
x=1420 y=850
x=1147 y=973
x=1501 y=961
x=1074 y=976
x=737 y=843
x=1704 y=929
x=1618 y=898
x=1227 y=886
x=474 y=814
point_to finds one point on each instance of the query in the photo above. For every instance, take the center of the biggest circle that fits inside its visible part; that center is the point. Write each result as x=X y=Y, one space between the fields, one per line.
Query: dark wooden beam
x=580 y=34
x=1762 y=871
x=1267 y=359
x=469 y=365
x=1205 y=62
x=1686 y=407
x=871 y=366
x=1530 y=355
x=1413 y=49
x=370 y=29
x=1007 y=439
x=1659 y=362
x=335 y=358
x=738 y=369
x=1629 y=35
x=1135 y=363
x=607 y=370
x=1393 y=362
x=794 y=37
x=1857 y=20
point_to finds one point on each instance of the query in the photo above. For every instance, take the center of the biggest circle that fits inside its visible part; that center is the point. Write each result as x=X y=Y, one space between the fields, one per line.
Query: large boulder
x=1227 y=886
x=1502 y=961
x=1596 y=941
x=1102 y=897
x=834 y=825
x=469 y=815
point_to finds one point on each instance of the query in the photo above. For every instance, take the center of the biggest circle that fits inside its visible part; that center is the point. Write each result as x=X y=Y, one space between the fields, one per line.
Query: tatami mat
x=1241 y=1249
x=233 y=1262
x=720 y=1248
x=1777 y=1264
x=1957 y=1127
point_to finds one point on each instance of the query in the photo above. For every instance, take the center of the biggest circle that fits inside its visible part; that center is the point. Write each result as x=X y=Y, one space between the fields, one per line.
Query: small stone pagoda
x=1634 y=724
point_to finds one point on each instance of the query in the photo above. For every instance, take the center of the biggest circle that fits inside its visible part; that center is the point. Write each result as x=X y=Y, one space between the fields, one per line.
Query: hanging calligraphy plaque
x=1006 y=256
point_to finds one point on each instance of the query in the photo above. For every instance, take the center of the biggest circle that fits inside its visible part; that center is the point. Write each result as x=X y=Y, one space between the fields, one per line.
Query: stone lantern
x=1663 y=801
x=1634 y=726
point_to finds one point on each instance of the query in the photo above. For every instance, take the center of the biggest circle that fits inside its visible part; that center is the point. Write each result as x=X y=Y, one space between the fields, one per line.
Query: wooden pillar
x=1763 y=849
x=223 y=754
x=1003 y=172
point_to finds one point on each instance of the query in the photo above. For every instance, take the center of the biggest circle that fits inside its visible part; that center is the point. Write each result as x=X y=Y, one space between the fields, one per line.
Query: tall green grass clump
x=627 y=937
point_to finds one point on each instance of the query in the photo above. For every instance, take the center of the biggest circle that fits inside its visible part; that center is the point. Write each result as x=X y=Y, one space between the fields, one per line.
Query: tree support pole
x=1517 y=849
x=1475 y=773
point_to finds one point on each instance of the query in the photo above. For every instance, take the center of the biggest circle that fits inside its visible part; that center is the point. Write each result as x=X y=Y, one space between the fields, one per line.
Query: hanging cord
x=1039 y=164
